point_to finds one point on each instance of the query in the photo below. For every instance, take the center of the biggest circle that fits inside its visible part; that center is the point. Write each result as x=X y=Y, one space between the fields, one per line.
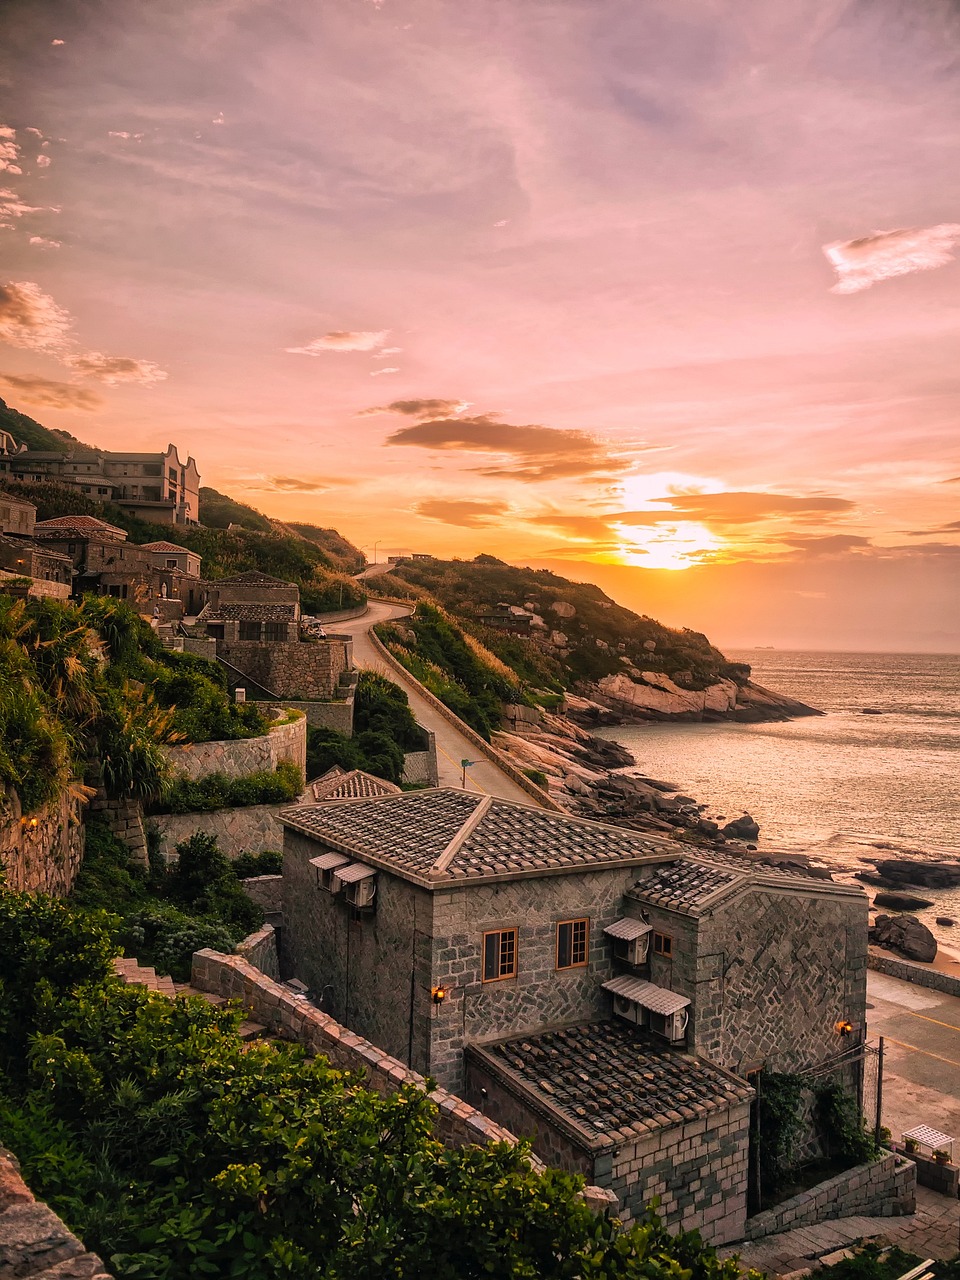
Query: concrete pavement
x=483 y=777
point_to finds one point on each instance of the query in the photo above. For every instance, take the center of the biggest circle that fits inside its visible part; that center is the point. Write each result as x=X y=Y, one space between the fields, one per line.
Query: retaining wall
x=909 y=971
x=341 y=615
x=539 y=797
x=251 y=829
x=326 y=715
x=244 y=755
x=886 y=1187
x=267 y=893
x=421 y=766
x=260 y=950
x=41 y=858
x=33 y=1240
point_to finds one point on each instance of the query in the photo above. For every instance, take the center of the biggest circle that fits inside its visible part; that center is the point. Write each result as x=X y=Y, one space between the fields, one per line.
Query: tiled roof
x=605 y=1077
x=250 y=578
x=684 y=885
x=254 y=612
x=627 y=929
x=167 y=546
x=657 y=999
x=88 y=526
x=353 y=784
x=449 y=834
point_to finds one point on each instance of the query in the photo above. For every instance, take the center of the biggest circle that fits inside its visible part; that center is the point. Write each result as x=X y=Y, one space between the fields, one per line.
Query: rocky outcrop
x=635 y=695
x=894 y=872
x=906 y=935
x=901 y=902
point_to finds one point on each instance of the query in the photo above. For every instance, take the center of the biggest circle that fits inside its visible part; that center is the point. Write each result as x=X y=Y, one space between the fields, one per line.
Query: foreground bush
x=175 y=1150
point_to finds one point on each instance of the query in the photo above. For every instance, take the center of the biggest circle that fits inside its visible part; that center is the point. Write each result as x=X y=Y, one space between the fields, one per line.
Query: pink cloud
x=30 y=318
x=342 y=340
x=885 y=254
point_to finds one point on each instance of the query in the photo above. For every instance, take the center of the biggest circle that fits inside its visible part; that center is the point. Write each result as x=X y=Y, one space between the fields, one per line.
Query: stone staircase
x=132 y=972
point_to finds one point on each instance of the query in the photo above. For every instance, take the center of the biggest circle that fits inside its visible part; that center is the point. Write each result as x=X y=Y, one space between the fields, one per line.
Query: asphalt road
x=921 y=1031
x=452 y=747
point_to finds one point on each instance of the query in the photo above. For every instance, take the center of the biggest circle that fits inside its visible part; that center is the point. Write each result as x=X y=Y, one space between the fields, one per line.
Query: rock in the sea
x=706 y=827
x=742 y=829
x=932 y=875
x=901 y=901
x=946 y=921
x=870 y=711
x=905 y=934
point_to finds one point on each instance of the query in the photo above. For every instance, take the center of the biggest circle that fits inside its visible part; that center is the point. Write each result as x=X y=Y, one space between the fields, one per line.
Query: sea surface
x=843 y=786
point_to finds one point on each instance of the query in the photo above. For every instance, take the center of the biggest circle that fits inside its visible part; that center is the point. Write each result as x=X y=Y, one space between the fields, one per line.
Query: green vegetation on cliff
x=383 y=730
x=174 y=1149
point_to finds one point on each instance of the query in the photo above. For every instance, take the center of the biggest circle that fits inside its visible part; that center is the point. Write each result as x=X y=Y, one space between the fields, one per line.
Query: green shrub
x=537 y=776
x=842 y=1126
x=218 y=791
x=780 y=1106
x=267 y=863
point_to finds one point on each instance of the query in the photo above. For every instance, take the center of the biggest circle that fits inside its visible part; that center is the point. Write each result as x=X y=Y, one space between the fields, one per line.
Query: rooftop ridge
x=450 y=852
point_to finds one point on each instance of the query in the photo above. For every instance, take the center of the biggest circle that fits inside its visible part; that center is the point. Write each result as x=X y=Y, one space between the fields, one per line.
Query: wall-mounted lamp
x=30 y=822
x=845 y=1028
x=439 y=994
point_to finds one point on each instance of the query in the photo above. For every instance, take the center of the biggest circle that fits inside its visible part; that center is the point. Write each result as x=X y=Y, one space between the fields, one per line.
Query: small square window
x=662 y=945
x=499 y=955
x=572 y=936
x=249 y=630
x=275 y=631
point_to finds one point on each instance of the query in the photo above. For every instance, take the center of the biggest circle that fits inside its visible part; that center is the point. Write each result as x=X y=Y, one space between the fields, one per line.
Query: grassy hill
x=26 y=431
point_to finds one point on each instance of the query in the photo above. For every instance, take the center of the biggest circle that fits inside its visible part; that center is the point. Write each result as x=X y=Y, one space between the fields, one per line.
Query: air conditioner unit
x=629 y=1010
x=671 y=1026
x=361 y=893
x=633 y=950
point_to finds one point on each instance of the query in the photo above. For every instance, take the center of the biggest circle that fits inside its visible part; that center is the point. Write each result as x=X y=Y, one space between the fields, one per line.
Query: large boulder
x=742 y=829
x=901 y=901
x=933 y=875
x=905 y=934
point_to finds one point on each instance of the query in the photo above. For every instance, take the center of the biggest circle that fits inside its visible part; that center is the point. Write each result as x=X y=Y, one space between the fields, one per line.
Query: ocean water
x=841 y=786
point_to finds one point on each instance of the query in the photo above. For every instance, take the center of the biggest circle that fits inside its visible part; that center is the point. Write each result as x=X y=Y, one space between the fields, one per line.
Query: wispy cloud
x=342 y=340
x=828 y=545
x=376 y=373
x=466 y=513
x=538 y=452
x=9 y=150
x=11 y=206
x=113 y=370
x=41 y=242
x=302 y=484
x=884 y=254
x=748 y=506
x=30 y=318
x=54 y=395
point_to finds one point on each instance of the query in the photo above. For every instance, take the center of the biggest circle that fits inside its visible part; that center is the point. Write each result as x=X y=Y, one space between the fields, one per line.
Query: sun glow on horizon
x=673 y=547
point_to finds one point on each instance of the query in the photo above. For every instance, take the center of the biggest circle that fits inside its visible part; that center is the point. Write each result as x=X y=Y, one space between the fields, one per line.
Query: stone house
x=21 y=557
x=583 y=983
x=103 y=562
x=17 y=516
x=255 y=621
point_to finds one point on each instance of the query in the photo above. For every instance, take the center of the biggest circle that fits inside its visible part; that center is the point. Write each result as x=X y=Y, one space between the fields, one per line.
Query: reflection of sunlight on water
x=846 y=788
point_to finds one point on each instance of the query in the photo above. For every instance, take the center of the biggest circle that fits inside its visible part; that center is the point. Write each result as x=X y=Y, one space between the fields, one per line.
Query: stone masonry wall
x=886 y=1187
x=251 y=829
x=298 y=670
x=260 y=950
x=908 y=971
x=291 y=1017
x=421 y=766
x=540 y=995
x=33 y=1240
x=266 y=892
x=372 y=972
x=326 y=715
x=244 y=755
x=41 y=858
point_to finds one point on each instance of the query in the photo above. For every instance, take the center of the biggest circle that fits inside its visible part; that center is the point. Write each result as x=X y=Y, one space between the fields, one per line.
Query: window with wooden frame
x=572 y=943
x=663 y=945
x=499 y=955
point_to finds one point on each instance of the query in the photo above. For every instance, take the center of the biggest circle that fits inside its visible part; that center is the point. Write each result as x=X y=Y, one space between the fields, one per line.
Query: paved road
x=921 y=1031
x=452 y=746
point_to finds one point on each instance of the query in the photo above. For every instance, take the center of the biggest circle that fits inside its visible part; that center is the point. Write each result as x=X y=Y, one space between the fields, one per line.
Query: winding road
x=483 y=776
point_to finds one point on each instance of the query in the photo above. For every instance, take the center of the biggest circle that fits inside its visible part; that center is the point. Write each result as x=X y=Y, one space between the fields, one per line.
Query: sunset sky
x=661 y=293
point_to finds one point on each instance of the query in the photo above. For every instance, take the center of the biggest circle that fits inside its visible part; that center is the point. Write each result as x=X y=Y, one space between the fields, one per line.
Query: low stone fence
x=909 y=971
x=251 y=829
x=886 y=1187
x=326 y=715
x=341 y=615
x=260 y=950
x=33 y=1240
x=240 y=756
x=266 y=892
x=538 y=796
x=421 y=766
x=944 y=1178
x=40 y=853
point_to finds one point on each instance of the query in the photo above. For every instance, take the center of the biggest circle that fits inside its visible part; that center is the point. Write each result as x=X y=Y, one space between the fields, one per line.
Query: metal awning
x=647 y=994
x=627 y=929
x=327 y=861
x=355 y=871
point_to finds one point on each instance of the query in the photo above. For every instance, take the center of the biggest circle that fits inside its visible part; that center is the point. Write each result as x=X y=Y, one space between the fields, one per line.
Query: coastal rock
x=901 y=901
x=906 y=935
x=946 y=921
x=653 y=695
x=932 y=875
x=563 y=609
x=742 y=829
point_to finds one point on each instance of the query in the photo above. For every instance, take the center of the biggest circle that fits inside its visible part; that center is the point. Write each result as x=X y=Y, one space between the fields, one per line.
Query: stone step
x=185 y=989
x=250 y=1030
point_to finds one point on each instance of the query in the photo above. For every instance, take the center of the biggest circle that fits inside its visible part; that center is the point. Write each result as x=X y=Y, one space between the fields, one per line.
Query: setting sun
x=679 y=546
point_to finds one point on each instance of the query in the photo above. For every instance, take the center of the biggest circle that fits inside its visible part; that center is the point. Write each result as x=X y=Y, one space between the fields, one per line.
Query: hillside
x=318 y=560
x=554 y=636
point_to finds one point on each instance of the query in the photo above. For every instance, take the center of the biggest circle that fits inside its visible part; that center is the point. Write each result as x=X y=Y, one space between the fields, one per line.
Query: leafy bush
x=204 y=880
x=267 y=863
x=780 y=1105
x=537 y=776
x=374 y=752
x=842 y=1126
x=218 y=791
x=380 y=706
x=174 y=1149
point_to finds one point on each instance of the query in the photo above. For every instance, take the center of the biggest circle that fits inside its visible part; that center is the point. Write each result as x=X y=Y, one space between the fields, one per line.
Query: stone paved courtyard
x=931 y=1232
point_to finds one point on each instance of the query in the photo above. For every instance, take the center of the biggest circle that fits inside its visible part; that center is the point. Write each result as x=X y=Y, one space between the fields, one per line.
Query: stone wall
x=260 y=950
x=125 y=820
x=886 y=1187
x=266 y=892
x=293 y=1018
x=33 y=1240
x=421 y=766
x=251 y=829
x=326 y=715
x=300 y=670
x=908 y=971
x=38 y=586
x=244 y=755
x=41 y=853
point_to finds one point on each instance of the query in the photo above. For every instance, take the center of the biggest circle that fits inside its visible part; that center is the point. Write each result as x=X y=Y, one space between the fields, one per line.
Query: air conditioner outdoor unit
x=633 y=950
x=627 y=1009
x=671 y=1026
x=362 y=892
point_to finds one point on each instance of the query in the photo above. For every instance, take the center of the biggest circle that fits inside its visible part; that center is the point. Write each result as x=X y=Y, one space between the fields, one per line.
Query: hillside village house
x=604 y=991
x=158 y=487
x=21 y=557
